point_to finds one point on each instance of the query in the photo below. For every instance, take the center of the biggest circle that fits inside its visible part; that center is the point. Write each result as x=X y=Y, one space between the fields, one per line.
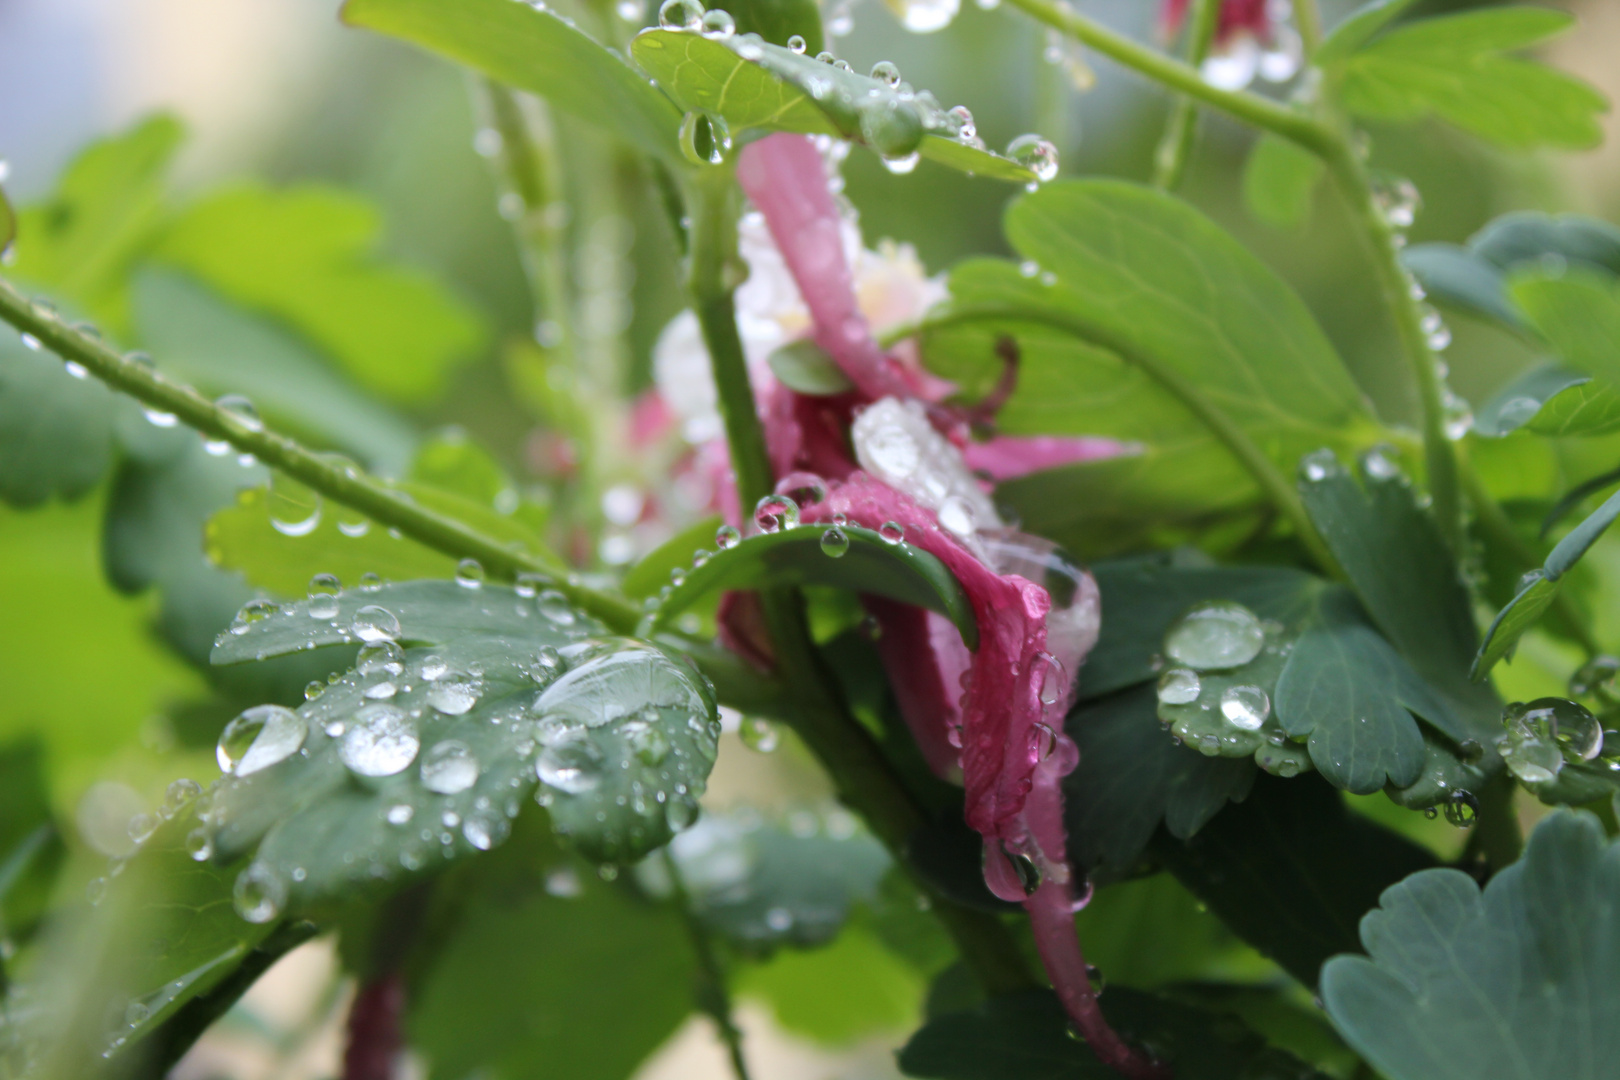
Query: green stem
x=713 y=996
x=1495 y=839
x=341 y=482
x=866 y=780
x=1170 y=160
x=1309 y=22
x=1227 y=432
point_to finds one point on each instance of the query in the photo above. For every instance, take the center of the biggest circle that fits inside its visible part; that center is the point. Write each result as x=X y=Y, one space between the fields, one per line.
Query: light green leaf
x=1578 y=313
x=755 y=85
x=1531 y=236
x=1278 y=181
x=80 y=242
x=537 y=50
x=851 y=988
x=1551 y=400
x=31 y=849
x=777 y=21
x=804 y=367
x=622 y=736
x=652 y=572
x=798 y=557
x=1519 y=981
x=1454 y=67
x=307 y=255
x=55 y=430
x=1462 y=278
x=1357 y=29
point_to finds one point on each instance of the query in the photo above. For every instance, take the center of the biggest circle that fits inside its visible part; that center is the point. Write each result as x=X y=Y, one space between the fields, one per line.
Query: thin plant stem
x=866 y=780
x=1180 y=132
x=1308 y=20
x=713 y=994
x=1276 y=487
x=1495 y=840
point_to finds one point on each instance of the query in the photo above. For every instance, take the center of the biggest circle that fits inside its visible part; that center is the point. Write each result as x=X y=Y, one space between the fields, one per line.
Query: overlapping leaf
x=1521 y=980
x=1551 y=400
x=1278 y=181
x=56 y=435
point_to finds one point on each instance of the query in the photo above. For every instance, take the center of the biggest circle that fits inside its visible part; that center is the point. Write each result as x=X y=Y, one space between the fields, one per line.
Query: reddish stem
x=375 y=1035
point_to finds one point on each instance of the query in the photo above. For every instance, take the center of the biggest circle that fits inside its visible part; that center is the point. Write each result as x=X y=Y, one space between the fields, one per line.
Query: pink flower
x=1237 y=16
x=992 y=717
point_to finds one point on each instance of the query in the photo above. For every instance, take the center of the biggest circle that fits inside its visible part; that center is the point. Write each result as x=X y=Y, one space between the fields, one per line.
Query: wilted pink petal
x=925 y=658
x=1008 y=456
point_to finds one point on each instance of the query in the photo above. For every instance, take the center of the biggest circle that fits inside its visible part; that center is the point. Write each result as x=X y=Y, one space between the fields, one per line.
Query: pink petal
x=1008 y=456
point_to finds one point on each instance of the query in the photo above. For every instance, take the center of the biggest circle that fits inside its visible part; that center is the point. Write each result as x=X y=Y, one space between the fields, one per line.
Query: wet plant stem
x=1333 y=144
x=866 y=780
x=1308 y=21
x=1495 y=840
x=1175 y=147
x=712 y=992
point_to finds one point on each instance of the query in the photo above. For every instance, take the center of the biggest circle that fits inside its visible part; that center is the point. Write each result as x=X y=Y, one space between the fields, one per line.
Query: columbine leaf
x=1357 y=29
x=1291 y=869
x=1132 y=777
x=307 y=255
x=755 y=85
x=1025 y=1036
x=502 y=682
x=1578 y=313
x=31 y=849
x=677 y=553
x=537 y=50
x=803 y=555
x=1454 y=67
x=55 y=430
x=1551 y=400
x=1538 y=588
x=1462 y=278
x=761 y=884
x=1522 y=980
x=1278 y=181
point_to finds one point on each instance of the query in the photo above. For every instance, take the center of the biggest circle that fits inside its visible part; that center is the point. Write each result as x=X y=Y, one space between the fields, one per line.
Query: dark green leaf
x=762 y=884
x=55 y=429
x=1575 y=496
x=1025 y=1036
x=1551 y=400
x=1578 y=313
x=1568 y=551
x=537 y=50
x=624 y=735
x=753 y=84
x=1291 y=869
x=1462 y=278
x=1454 y=67
x=1133 y=776
x=1406 y=579
x=30 y=847
x=307 y=255
x=1531 y=236
x=1522 y=980
x=799 y=556
x=1279 y=180
x=806 y=368
x=1357 y=29
x=778 y=20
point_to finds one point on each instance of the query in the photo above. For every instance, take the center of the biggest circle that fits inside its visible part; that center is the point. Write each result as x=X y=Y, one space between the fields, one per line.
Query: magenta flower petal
x=1008 y=456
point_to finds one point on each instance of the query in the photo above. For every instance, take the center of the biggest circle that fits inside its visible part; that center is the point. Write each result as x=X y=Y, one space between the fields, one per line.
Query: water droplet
x=1435 y=330
x=485 y=831
x=159 y=418
x=1318 y=466
x=681 y=15
x=727 y=537
x=323 y=596
x=375 y=623
x=1036 y=154
x=718 y=24
x=76 y=369
x=470 y=574
x=956 y=515
x=95 y=890
x=260 y=894
x=1044 y=740
x=705 y=137
x=571 y=764
x=1245 y=707
x=381 y=741
x=563 y=882
x=1029 y=874
x=1053 y=679
x=141 y=827
x=554 y=606
x=30 y=342
x=453 y=695
x=259 y=738
x=380 y=658
x=1179 y=686
x=1462 y=809
x=834 y=543
x=200 y=844
x=886 y=72
x=449 y=767
x=774 y=513
x=294 y=509
x=1398 y=200
x=758 y=734
x=180 y=792
x=1568 y=725
x=901 y=164
x=796 y=44
x=370 y=582
x=1214 y=635
x=647 y=742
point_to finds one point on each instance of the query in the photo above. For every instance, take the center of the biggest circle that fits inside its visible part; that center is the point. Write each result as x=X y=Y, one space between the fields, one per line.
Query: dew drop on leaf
x=727 y=537
x=1179 y=686
x=380 y=658
x=470 y=574
x=259 y=738
x=375 y=623
x=381 y=741
x=259 y=894
x=758 y=734
x=1036 y=154
x=571 y=764
x=449 y=767
x=1214 y=635
x=1245 y=707
x=892 y=532
x=774 y=513
x=453 y=695
x=323 y=596
x=295 y=510
x=834 y=543
x=554 y=606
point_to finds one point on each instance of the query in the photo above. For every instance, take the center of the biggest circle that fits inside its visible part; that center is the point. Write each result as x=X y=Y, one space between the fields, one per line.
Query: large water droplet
x=1215 y=634
x=571 y=764
x=956 y=515
x=470 y=574
x=796 y=44
x=1036 y=154
x=1245 y=707
x=449 y=767
x=718 y=24
x=775 y=513
x=323 y=596
x=705 y=137
x=1462 y=809
x=834 y=543
x=375 y=623
x=259 y=894
x=892 y=532
x=554 y=606
x=259 y=738
x=381 y=741
x=380 y=658
x=1179 y=686
x=295 y=510
x=727 y=537
x=1566 y=724
x=680 y=15
x=647 y=741
x=453 y=695
x=758 y=734
x=1053 y=679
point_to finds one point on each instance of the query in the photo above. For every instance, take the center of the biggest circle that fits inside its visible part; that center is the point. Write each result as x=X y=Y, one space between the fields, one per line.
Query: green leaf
x=31 y=849
x=798 y=557
x=677 y=553
x=1530 y=236
x=1291 y=869
x=1407 y=580
x=535 y=50
x=755 y=85
x=806 y=368
x=1025 y=1036
x=850 y=988
x=307 y=255
x=762 y=884
x=542 y=962
x=220 y=349
x=1453 y=67
x=1278 y=181
x=1132 y=777
x=1357 y=29
x=1539 y=587
x=55 y=429
x=1521 y=980
x=779 y=20
x=80 y=242
x=624 y=735
x=1578 y=313
x=1551 y=400
x=1462 y=278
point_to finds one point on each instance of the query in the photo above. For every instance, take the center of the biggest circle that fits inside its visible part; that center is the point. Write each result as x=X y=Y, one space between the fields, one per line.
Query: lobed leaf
x=1551 y=400
x=1521 y=980
x=1578 y=313
x=1278 y=181
x=532 y=48
x=1357 y=29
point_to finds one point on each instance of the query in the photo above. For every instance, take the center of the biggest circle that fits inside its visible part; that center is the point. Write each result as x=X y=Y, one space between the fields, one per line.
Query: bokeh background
x=280 y=90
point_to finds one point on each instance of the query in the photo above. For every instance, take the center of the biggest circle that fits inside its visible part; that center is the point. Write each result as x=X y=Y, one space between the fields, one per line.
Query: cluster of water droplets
x=1542 y=736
